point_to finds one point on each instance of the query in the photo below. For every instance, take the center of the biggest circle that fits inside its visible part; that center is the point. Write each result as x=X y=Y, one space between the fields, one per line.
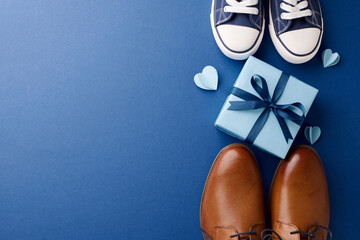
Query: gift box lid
x=238 y=123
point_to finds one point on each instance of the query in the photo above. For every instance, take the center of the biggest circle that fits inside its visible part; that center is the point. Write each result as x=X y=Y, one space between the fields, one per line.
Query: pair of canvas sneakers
x=232 y=205
x=296 y=27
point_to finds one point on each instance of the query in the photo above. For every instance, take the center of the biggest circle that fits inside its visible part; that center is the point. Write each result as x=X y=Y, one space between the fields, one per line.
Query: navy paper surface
x=104 y=135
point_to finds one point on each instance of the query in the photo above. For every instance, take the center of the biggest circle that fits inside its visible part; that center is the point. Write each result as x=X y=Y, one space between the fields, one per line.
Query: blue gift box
x=266 y=107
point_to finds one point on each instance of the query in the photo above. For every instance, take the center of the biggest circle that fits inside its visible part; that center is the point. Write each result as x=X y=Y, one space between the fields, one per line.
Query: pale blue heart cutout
x=312 y=134
x=207 y=79
x=329 y=58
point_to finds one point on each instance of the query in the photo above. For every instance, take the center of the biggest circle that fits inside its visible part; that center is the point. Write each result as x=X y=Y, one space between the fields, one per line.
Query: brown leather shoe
x=232 y=204
x=299 y=198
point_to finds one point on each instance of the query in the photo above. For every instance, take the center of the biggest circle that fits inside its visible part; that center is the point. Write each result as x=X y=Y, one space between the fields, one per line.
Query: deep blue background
x=103 y=134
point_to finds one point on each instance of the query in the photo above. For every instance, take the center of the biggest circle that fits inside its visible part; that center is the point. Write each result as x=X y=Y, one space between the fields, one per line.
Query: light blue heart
x=329 y=58
x=312 y=134
x=207 y=79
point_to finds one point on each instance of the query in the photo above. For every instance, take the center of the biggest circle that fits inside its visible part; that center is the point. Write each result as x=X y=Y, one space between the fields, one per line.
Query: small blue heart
x=207 y=79
x=312 y=134
x=329 y=58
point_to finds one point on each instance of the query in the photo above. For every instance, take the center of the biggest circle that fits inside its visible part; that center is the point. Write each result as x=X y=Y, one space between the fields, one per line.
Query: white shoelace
x=295 y=9
x=243 y=6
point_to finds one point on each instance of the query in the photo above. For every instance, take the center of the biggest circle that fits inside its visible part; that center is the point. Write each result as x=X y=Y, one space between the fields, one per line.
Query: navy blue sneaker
x=296 y=28
x=238 y=26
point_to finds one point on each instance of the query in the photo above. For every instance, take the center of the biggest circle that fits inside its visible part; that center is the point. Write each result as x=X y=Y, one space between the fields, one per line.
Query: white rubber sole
x=225 y=50
x=284 y=53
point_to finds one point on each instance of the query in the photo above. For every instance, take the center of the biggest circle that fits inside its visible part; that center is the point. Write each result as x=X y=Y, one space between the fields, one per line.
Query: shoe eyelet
x=282 y=16
x=225 y=9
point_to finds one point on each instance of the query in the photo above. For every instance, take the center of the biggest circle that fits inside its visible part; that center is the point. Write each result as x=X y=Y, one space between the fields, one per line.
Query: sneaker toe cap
x=302 y=41
x=238 y=38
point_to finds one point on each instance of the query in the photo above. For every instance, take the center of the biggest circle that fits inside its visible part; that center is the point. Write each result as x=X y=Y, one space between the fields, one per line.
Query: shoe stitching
x=257 y=21
x=222 y=227
x=284 y=223
x=313 y=20
x=222 y=16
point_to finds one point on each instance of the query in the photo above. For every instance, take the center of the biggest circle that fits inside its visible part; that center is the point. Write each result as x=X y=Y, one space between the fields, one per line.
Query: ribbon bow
x=281 y=112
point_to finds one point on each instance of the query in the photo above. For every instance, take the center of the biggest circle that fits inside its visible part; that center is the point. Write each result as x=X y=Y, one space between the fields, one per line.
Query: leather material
x=222 y=233
x=283 y=25
x=233 y=198
x=299 y=198
x=246 y=20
